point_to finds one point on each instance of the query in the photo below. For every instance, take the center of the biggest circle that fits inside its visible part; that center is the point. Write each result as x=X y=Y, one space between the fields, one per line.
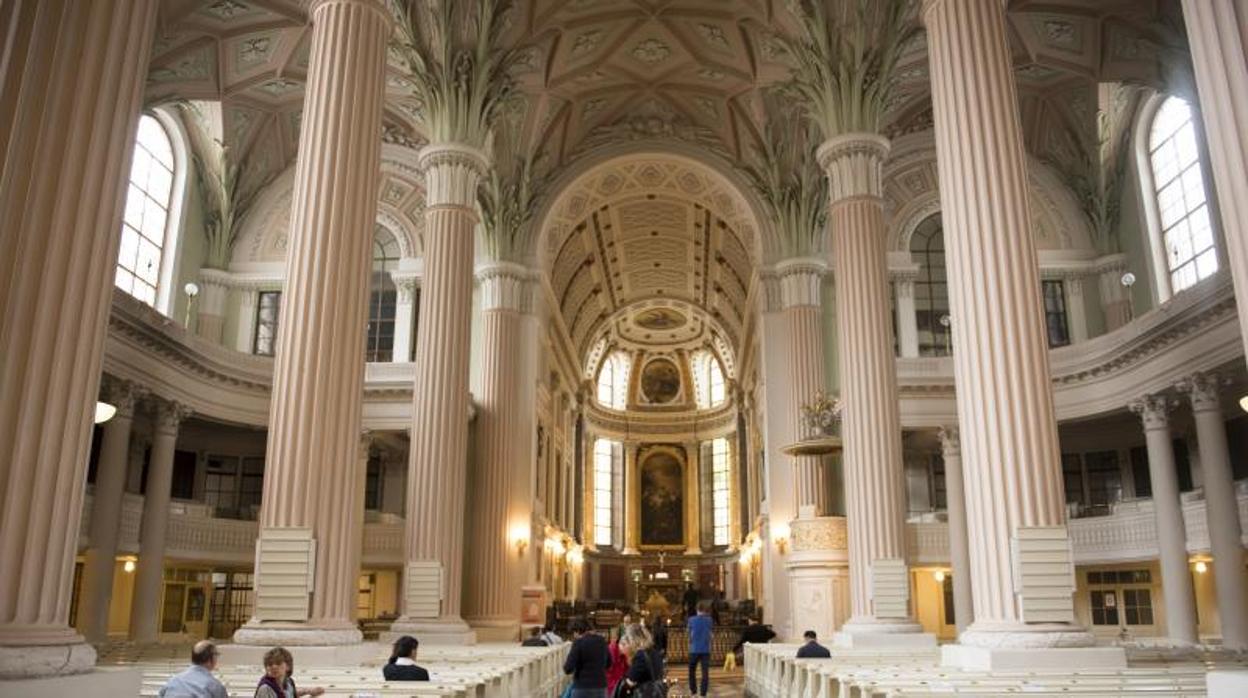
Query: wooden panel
x=424 y=589
x=286 y=563
x=890 y=588
x=1044 y=574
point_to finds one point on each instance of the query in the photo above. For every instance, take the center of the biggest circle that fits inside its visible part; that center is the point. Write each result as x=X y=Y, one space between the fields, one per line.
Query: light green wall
x=191 y=247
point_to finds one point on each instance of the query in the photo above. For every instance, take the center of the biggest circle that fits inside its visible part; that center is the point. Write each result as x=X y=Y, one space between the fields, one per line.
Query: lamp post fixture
x=192 y=290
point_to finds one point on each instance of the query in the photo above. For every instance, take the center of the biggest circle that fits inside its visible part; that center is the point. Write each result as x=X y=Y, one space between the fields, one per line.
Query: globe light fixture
x=1243 y=403
x=940 y=576
x=128 y=566
x=192 y=290
x=1201 y=567
x=104 y=412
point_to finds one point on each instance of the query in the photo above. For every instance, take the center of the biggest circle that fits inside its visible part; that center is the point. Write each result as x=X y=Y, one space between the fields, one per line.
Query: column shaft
x=800 y=289
x=106 y=501
x=69 y=102
x=1176 y=575
x=693 y=500
x=149 y=577
x=871 y=422
x=1221 y=508
x=438 y=472
x=959 y=551
x=492 y=589
x=1218 y=34
x=1005 y=402
x=632 y=502
x=907 y=321
x=318 y=375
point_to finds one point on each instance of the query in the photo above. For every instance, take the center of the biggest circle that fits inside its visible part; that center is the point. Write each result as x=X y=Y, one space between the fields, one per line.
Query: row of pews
x=773 y=671
x=481 y=671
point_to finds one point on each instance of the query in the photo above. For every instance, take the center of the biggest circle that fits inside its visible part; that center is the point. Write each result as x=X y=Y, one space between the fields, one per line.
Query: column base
x=47 y=660
x=1022 y=636
x=860 y=633
x=448 y=630
x=297 y=634
x=1019 y=659
x=495 y=629
x=107 y=681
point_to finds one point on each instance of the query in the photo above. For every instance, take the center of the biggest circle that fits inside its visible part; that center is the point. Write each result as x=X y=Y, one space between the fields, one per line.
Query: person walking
x=587 y=662
x=700 y=627
x=198 y=680
x=645 y=666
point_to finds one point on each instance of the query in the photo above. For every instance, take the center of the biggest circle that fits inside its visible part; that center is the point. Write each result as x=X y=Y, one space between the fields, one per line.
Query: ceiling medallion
x=659 y=319
x=651 y=51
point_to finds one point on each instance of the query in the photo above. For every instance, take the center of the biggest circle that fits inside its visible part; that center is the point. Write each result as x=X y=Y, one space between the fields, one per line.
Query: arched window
x=147 y=221
x=708 y=380
x=1182 y=213
x=613 y=381
x=382 y=300
x=931 y=289
x=608 y=466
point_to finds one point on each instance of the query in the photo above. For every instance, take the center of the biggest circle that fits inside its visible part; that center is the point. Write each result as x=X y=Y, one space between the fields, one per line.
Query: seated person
x=755 y=633
x=277 y=682
x=535 y=638
x=812 y=649
x=197 y=681
x=550 y=636
x=402 y=664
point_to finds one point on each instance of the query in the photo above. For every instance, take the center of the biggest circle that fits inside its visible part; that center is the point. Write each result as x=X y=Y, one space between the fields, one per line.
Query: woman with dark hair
x=587 y=662
x=402 y=664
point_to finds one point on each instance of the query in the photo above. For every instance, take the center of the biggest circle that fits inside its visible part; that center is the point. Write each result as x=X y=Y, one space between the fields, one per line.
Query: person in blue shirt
x=812 y=649
x=700 y=648
x=198 y=681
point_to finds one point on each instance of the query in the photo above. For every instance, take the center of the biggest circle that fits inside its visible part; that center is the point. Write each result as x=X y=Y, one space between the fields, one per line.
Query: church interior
x=912 y=323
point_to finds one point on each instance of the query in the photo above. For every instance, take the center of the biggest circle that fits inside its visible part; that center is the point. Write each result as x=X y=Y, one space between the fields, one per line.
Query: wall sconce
x=940 y=576
x=1201 y=567
x=780 y=536
x=128 y=566
x=522 y=544
x=520 y=539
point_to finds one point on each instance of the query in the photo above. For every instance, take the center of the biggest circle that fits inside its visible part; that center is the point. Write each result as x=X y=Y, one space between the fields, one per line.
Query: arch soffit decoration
x=912 y=194
x=400 y=210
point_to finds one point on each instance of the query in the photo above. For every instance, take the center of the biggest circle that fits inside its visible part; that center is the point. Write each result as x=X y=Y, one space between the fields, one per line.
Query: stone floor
x=723 y=684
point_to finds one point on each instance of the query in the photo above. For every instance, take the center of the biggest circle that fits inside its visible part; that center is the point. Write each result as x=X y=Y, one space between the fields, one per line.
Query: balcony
x=194 y=534
x=1126 y=533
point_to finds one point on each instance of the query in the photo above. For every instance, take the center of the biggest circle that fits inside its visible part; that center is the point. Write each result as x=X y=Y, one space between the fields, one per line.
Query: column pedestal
x=817 y=567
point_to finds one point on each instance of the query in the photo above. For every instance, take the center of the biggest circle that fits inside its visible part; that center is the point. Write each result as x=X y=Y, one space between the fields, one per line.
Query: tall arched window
x=146 y=224
x=1186 y=229
x=608 y=467
x=382 y=300
x=613 y=381
x=931 y=289
x=708 y=380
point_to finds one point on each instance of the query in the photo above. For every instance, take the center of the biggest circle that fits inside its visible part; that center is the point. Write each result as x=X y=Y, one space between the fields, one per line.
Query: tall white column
x=504 y=426
x=149 y=576
x=632 y=501
x=318 y=374
x=404 y=314
x=1217 y=31
x=110 y=488
x=1011 y=460
x=440 y=409
x=871 y=422
x=907 y=320
x=801 y=282
x=959 y=549
x=1221 y=508
x=74 y=74
x=693 y=502
x=1176 y=575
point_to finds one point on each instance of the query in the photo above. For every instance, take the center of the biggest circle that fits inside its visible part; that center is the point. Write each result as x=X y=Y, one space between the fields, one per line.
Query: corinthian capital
x=452 y=172
x=1154 y=411
x=854 y=163
x=1203 y=389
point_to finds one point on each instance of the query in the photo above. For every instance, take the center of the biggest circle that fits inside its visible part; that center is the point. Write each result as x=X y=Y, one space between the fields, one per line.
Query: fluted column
x=318 y=374
x=1010 y=452
x=1221 y=508
x=209 y=321
x=244 y=337
x=492 y=593
x=438 y=471
x=800 y=282
x=959 y=552
x=1218 y=35
x=632 y=499
x=871 y=423
x=407 y=284
x=69 y=104
x=693 y=502
x=1176 y=575
x=149 y=576
x=110 y=486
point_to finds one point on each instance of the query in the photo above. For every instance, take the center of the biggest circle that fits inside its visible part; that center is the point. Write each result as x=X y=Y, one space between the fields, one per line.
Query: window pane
x=146 y=218
x=1181 y=195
